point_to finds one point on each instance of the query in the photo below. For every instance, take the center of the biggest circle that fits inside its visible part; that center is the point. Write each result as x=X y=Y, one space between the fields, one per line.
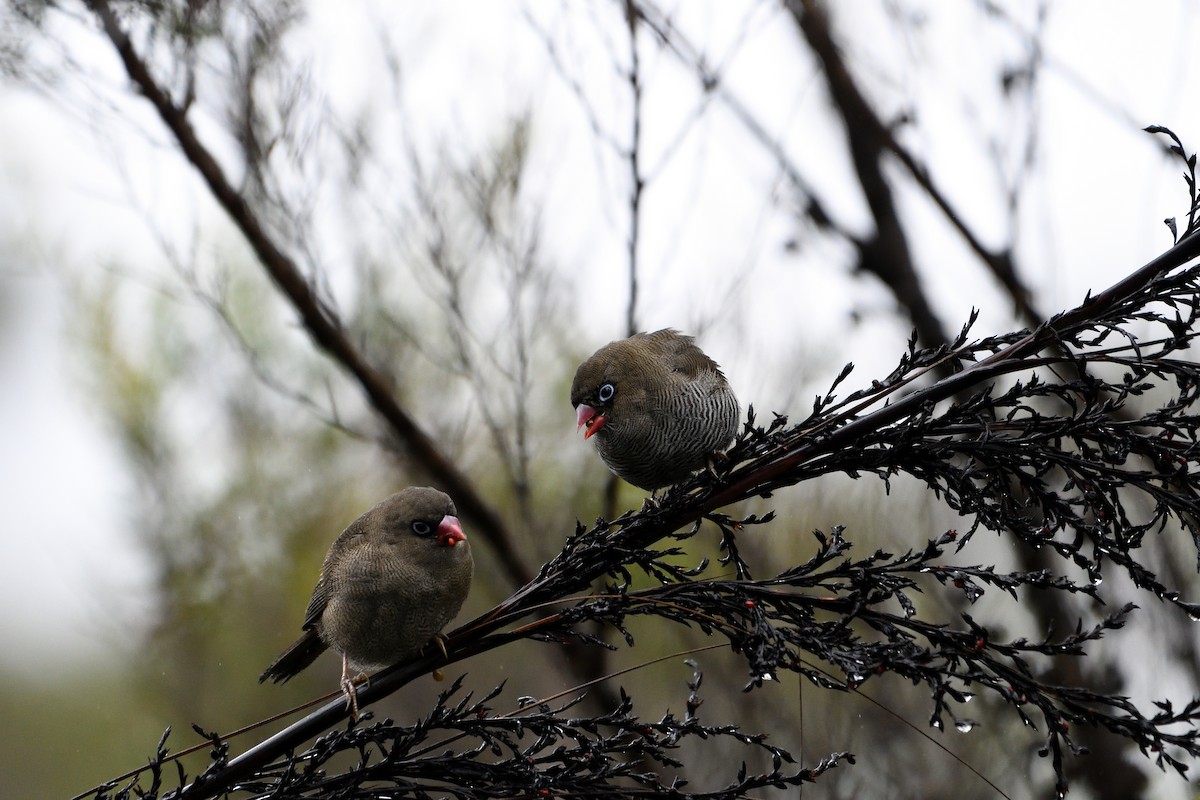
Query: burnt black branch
x=467 y=748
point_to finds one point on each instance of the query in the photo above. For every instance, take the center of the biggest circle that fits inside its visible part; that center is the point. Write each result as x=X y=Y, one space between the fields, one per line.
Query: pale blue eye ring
x=606 y=392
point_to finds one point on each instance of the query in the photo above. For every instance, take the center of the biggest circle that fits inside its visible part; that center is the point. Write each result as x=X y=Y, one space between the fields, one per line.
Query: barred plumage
x=657 y=405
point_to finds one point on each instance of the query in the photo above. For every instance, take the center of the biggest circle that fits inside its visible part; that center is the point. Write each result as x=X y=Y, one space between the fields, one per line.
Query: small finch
x=389 y=584
x=659 y=408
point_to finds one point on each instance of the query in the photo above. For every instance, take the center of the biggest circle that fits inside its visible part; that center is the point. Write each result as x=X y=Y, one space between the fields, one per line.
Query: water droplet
x=1194 y=615
x=964 y=725
x=968 y=697
x=936 y=722
x=766 y=676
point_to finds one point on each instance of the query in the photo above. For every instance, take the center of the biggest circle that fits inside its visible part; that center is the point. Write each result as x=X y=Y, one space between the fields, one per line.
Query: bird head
x=423 y=513
x=622 y=377
x=595 y=391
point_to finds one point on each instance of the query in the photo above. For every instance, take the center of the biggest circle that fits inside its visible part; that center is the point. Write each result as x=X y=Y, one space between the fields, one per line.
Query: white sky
x=1095 y=208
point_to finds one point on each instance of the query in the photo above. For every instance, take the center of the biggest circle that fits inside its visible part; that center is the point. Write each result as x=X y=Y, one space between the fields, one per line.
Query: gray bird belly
x=376 y=629
x=676 y=439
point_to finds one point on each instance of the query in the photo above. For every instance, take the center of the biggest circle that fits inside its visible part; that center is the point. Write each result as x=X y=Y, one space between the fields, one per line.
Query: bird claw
x=714 y=459
x=351 y=694
x=439 y=640
x=350 y=688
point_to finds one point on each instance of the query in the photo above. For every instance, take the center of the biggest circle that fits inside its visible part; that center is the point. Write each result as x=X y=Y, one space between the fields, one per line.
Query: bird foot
x=350 y=687
x=713 y=460
x=440 y=641
x=651 y=503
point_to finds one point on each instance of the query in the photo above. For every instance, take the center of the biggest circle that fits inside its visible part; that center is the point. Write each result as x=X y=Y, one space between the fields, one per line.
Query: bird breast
x=672 y=434
x=394 y=601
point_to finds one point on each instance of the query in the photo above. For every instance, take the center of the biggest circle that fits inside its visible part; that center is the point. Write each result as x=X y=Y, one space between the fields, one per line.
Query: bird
x=389 y=584
x=658 y=407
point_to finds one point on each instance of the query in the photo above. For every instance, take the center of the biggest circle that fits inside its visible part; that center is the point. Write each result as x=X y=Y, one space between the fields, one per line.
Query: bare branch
x=319 y=319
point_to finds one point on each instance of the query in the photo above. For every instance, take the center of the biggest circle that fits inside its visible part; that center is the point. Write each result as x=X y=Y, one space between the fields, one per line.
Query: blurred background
x=485 y=193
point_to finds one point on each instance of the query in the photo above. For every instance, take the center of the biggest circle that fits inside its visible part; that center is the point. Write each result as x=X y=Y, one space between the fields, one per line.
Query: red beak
x=586 y=415
x=449 y=532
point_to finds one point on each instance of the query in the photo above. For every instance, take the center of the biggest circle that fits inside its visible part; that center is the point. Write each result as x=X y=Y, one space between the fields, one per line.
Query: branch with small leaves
x=464 y=748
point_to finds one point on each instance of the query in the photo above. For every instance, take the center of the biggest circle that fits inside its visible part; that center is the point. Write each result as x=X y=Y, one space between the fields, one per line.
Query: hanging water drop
x=964 y=725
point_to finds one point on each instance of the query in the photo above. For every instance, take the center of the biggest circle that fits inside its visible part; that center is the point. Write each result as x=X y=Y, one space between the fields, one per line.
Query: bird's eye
x=606 y=392
x=421 y=528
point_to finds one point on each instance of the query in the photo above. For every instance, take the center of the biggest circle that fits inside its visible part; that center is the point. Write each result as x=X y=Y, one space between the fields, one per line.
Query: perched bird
x=657 y=405
x=390 y=583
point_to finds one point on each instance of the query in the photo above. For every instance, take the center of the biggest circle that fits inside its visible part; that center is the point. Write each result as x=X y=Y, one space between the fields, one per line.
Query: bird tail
x=299 y=655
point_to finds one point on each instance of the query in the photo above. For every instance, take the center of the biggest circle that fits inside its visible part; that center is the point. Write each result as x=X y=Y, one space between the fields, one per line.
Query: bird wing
x=337 y=552
x=316 y=606
x=684 y=357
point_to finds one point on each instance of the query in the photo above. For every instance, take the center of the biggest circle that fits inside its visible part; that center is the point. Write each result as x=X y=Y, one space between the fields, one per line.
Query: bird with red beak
x=658 y=407
x=389 y=584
